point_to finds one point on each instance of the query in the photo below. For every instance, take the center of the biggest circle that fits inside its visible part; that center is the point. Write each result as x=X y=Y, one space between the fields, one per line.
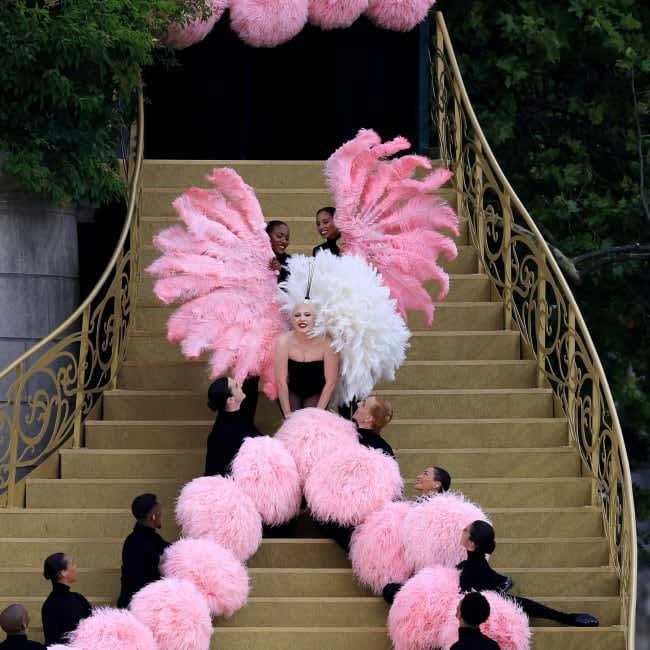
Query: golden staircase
x=494 y=392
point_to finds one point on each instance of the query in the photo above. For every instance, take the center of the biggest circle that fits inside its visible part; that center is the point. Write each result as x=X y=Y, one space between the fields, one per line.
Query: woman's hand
x=275 y=265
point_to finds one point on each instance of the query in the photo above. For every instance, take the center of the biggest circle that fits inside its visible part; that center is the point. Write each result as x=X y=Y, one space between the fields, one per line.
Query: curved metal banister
x=53 y=386
x=539 y=302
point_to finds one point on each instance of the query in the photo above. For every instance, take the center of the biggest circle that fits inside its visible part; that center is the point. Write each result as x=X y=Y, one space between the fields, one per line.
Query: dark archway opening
x=300 y=100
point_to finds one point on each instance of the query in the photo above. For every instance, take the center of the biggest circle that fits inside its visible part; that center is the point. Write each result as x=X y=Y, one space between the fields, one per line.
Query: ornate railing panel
x=538 y=302
x=52 y=387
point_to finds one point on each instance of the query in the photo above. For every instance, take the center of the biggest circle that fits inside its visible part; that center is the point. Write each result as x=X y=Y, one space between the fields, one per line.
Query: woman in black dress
x=63 y=609
x=328 y=231
x=306 y=366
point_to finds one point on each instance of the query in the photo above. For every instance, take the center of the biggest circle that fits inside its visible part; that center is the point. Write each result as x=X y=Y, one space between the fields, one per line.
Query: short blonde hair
x=381 y=411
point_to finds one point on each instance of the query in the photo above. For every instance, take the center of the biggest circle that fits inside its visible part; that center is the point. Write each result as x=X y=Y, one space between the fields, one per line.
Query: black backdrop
x=300 y=100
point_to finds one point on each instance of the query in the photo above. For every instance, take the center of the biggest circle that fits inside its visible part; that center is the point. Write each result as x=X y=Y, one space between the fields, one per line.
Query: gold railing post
x=14 y=435
x=573 y=376
x=507 y=262
x=117 y=320
x=81 y=378
x=458 y=145
x=440 y=72
x=596 y=407
x=542 y=320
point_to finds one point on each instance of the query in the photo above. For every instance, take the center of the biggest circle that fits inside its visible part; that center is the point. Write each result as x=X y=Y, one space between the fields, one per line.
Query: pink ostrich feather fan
x=212 y=569
x=265 y=471
x=109 y=628
x=311 y=434
x=335 y=14
x=217 y=266
x=432 y=530
x=179 y=36
x=507 y=624
x=423 y=614
x=348 y=485
x=398 y=224
x=176 y=612
x=267 y=23
x=398 y=15
x=214 y=507
x=376 y=550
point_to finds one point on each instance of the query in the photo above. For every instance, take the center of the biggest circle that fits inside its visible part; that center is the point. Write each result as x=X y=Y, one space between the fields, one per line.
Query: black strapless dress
x=306 y=378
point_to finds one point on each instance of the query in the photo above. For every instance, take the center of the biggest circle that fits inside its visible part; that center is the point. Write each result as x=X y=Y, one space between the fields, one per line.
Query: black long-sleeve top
x=227 y=435
x=471 y=638
x=370 y=438
x=61 y=613
x=140 y=561
x=20 y=642
x=477 y=574
x=328 y=245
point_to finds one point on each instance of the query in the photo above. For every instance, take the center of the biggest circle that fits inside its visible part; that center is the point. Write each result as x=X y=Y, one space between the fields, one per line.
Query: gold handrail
x=56 y=383
x=538 y=301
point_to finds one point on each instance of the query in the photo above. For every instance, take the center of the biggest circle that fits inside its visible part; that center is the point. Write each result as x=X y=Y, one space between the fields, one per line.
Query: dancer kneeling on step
x=234 y=422
x=306 y=366
x=477 y=574
x=472 y=611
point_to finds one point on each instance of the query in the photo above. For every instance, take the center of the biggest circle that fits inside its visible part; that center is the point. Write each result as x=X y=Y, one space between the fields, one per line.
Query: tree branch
x=614 y=254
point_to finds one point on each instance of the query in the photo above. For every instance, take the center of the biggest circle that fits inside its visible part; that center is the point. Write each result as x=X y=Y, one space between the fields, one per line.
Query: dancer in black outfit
x=278 y=232
x=477 y=574
x=63 y=609
x=371 y=416
x=14 y=621
x=473 y=610
x=142 y=549
x=327 y=230
x=232 y=425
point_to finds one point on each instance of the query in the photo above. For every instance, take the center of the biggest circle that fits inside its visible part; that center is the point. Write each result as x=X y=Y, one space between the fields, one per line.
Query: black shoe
x=506 y=586
x=583 y=620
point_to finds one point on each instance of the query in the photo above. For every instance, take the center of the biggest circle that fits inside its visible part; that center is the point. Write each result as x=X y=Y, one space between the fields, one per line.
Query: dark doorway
x=300 y=100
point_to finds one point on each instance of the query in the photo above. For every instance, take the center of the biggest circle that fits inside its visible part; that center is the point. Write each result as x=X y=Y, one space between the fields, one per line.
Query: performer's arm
x=280 y=363
x=331 y=360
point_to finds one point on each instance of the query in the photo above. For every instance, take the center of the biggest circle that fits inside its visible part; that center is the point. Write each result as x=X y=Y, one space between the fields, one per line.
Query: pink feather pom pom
x=212 y=569
x=180 y=36
x=348 y=485
x=267 y=23
x=376 y=549
x=335 y=14
x=110 y=628
x=215 y=508
x=432 y=530
x=507 y=624
x=423 y=615
x=402 y=16
x=176 y=612
x=265 y=471
x=311 y=434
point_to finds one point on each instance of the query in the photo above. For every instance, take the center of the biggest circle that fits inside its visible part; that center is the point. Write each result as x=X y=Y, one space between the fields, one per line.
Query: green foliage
x=69 y=75
x=552 y=84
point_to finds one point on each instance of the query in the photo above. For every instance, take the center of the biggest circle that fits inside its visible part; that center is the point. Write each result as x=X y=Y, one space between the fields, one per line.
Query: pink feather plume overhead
x=269 y=23
x=180 y=36
x=398 y=224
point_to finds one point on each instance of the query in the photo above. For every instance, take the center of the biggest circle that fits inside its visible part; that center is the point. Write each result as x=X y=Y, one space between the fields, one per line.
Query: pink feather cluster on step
x=212 y=569
x=401 y=16
x=213 y=507
x=176 y=612
x=334 y=14
x=311 y=434
x=376 y=549
x=110 y=628
x=348 y=485
x=391 y=219
x=217 y=266
x=267 y=23
x=432 y=530
x=265 y=471
x=179 y=36
x=423 y=615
